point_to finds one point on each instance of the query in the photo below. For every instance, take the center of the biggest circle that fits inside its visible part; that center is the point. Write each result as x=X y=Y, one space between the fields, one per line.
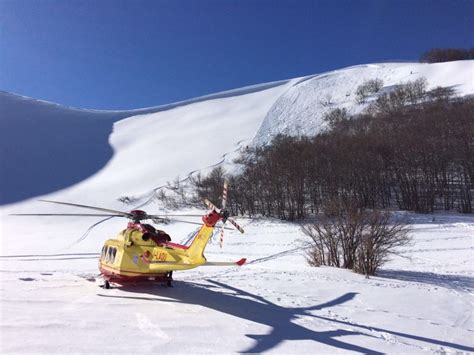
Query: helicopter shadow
x=245 y=305
x=233 y=301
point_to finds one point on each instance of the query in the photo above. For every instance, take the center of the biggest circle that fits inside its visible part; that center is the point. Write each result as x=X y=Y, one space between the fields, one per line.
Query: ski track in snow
x=188 y=176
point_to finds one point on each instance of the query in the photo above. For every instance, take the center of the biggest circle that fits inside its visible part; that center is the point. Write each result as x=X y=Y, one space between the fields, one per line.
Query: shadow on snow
x=239 y=303
x=456 y=282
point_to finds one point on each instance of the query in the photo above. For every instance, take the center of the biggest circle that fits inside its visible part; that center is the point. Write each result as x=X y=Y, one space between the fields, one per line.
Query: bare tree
x=367 y=88
x=437 y=55
x=324 y=249
x=210 y=186
x=382 y=235
x=336 y=116
x=441 y=94
x=415 y=90
x=413 y=152
x=356 y=239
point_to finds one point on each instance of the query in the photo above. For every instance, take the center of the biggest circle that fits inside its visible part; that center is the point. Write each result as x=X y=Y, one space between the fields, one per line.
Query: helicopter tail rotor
x=223 y=213
x=224 y=203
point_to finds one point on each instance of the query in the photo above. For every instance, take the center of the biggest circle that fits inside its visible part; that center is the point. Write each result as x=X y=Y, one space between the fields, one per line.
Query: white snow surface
x=422 y=301
x=299 y=111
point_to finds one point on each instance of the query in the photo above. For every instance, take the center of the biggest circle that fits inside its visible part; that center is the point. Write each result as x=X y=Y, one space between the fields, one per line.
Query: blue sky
x=115 y=54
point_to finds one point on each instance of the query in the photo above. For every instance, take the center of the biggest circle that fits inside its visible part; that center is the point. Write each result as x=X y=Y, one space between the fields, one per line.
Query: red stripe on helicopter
x=175 y=245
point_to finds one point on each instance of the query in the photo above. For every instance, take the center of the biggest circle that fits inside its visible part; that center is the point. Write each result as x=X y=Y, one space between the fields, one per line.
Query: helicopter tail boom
x=226 y=263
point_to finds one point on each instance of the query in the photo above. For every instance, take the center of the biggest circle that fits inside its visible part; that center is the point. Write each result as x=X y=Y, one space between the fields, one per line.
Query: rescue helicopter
x=141 y=253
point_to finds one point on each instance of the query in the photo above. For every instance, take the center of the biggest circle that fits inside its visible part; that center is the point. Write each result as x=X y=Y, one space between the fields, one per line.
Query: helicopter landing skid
x=166 y=280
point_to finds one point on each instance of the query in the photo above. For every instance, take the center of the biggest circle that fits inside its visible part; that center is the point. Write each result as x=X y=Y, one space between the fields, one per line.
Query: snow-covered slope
x=422 y=302
x=60 y=146
x=301 y=108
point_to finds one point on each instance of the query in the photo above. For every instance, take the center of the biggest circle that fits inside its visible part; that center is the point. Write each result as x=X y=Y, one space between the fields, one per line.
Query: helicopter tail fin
x=196 y=250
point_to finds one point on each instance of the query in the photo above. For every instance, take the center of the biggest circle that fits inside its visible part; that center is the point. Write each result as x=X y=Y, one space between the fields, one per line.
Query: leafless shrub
x=415 y=90
x=176 y=194
x=355 y=239
x=368 y=88
x=381 y=236
x=374 y=85
x=324 y=246
x=411 y=92
x=336 y=116
x=441 y=94
x=210 y=186
x=167 y=199
x=128 y=200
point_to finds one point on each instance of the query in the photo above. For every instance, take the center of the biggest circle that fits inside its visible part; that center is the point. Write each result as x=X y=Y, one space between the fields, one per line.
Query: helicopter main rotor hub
x=138 y=215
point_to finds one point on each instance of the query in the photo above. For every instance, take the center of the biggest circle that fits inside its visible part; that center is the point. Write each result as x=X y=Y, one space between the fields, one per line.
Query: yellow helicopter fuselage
x=133 y=257
x=140 y=252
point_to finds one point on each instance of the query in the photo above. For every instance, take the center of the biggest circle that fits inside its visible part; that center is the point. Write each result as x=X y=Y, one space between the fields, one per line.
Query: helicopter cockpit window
x=109 y=255
x=104 y=252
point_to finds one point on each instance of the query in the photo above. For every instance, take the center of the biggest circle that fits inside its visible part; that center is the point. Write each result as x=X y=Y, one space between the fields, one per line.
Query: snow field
x=275 y=303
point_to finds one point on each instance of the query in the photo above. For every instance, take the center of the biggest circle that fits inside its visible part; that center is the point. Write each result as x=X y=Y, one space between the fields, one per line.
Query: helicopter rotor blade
x=224 y=195
x=232 y=221
x=195 y=223
x=172 y=215
x=224 y=203
x=188 y=222
x=86 y=233
x=226 y=228
x=67 y=214
x=221 y=239
x=236 y=225
x=211 y=205
x=124 y=214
